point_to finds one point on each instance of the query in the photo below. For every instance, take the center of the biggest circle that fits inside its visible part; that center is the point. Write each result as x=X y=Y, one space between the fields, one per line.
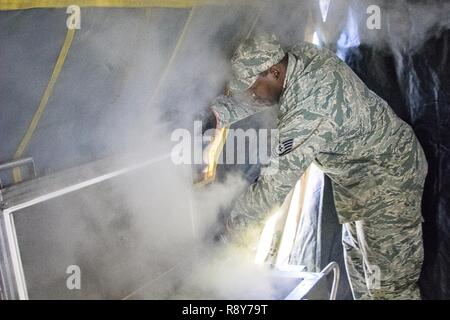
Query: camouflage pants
x=384 y=257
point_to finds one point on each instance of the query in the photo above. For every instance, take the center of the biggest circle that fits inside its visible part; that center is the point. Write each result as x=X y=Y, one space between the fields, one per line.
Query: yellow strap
x=43 y=103
x=28 y=4
x=215 y=152
x=216 y=148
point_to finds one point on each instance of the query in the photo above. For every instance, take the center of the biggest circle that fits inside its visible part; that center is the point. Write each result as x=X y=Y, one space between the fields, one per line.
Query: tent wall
x=114 y=79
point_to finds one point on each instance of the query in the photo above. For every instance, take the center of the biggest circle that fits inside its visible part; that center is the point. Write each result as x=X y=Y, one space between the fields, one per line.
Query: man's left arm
x=270 y=190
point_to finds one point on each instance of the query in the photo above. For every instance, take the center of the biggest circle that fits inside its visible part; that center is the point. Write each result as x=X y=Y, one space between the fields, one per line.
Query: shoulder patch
x=284 y=147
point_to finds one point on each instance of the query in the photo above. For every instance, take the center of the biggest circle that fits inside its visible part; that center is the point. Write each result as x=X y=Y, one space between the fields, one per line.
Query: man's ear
x=275 y=72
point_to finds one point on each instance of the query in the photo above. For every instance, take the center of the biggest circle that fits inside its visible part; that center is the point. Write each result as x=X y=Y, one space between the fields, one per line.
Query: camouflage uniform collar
x=292 y=64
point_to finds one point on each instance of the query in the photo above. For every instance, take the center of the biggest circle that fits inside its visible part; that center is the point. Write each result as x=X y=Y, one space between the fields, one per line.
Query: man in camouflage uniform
x=377 y=166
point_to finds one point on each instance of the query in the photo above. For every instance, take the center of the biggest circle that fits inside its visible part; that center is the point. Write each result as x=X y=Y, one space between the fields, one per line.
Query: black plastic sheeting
x=417 y=87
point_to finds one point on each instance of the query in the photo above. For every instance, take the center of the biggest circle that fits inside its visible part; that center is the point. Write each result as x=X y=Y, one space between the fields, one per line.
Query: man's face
x=267 y=88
